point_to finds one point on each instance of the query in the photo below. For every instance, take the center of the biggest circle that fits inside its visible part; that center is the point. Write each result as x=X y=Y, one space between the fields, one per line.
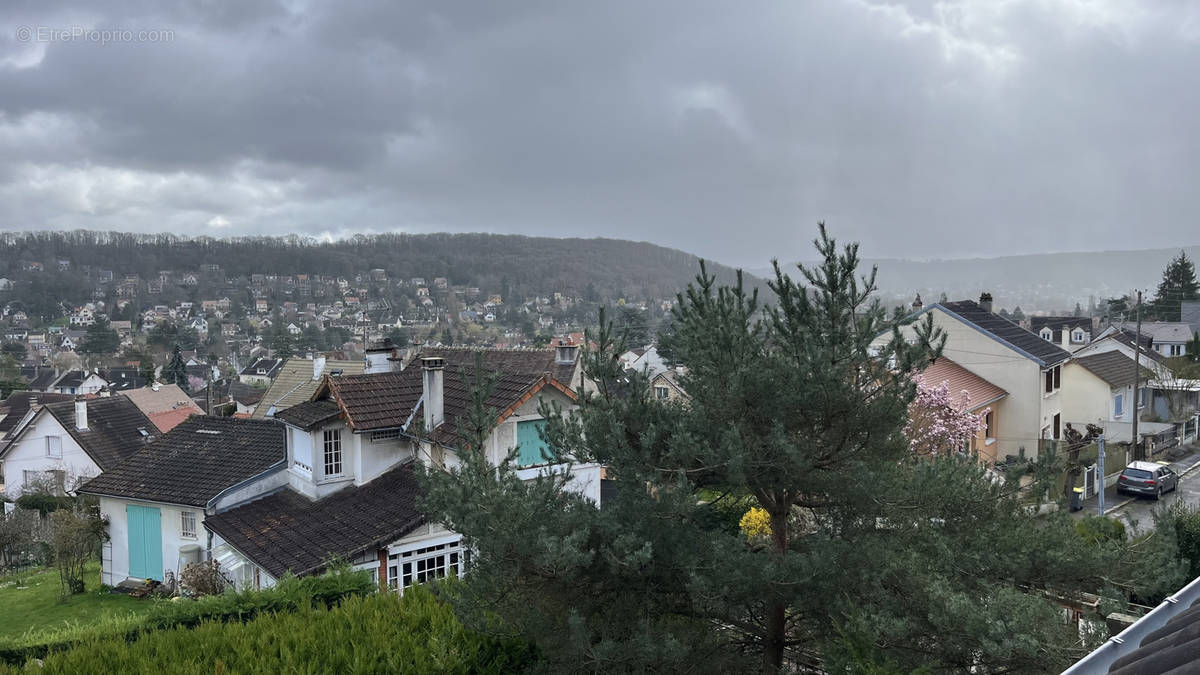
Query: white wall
x=29 y=454
x=1086 y=397
x=116 y=569
x=1027 y=409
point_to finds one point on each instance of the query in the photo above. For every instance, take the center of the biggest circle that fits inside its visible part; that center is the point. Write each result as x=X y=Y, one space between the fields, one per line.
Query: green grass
x=31 y=601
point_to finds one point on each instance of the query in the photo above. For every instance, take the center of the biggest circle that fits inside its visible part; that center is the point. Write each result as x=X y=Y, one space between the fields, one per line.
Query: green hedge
x=381 y=633
x=290 y=594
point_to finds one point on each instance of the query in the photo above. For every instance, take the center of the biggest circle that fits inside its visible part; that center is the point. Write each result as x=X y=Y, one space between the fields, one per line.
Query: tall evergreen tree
x=176 y=370
x=864 y=557
x=146 y=369
x=100 y=339
x=1178 y=284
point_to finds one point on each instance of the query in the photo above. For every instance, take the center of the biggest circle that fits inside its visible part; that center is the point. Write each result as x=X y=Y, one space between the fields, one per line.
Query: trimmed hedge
x=290 y=594
x=381 y=633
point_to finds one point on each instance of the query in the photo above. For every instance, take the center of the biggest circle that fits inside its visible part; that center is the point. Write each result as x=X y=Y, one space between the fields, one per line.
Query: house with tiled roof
x=157 y=499
x=65 y=442
x=261 y=371
x=79 y=382
x=351 y=453
x=1168 y=338
x=970 y=393
x=166 y=405
x=296 y=380
x=1012 y=358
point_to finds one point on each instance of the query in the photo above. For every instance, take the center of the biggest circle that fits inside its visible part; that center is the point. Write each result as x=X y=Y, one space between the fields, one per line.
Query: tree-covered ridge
x=599 y=267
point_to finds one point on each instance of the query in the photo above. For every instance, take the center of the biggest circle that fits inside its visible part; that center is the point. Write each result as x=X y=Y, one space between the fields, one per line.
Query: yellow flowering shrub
x=756 y=523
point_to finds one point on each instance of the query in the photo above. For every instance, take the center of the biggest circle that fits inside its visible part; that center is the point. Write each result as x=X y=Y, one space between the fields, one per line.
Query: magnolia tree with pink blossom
x=938 y=422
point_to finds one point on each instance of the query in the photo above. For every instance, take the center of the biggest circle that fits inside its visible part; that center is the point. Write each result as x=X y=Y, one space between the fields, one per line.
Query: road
x=1138 y=512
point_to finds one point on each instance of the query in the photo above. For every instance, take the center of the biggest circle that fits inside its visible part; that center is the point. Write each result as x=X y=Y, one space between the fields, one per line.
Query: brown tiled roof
x=309 y=415
x=285 y=532
x=169 y=419
x=378 y=400
x=195 y=461
x=166 y=397
x=295 y=384
x=116 y=429
x=393 y=400
x=958 y=379
x=511 y=361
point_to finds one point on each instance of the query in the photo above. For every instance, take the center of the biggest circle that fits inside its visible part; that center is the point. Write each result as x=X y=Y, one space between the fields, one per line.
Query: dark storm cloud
x=927 y=129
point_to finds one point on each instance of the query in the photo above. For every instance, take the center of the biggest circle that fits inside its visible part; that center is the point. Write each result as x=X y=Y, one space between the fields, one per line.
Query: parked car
x=1147 y=478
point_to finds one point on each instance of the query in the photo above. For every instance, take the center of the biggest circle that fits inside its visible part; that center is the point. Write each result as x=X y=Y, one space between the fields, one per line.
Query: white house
x=1012 y=358
x=156 y=501
x=1168 y=338
x=64 y=443
x=79 y=382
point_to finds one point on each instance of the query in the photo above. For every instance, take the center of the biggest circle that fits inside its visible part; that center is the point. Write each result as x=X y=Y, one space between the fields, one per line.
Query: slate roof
x=17 y=404
x=1161 y=331
x=1043 y=352
x=73 y=378
x=39 y=378
x=229 y=388
x=124 y=379
x=286 y=532
x=271 y=366
x=1113 y=367
x=1058 y=324
x=1126 y=337
x=115 y=429
x=195 y=461
x=294 y=383
x=980 y=392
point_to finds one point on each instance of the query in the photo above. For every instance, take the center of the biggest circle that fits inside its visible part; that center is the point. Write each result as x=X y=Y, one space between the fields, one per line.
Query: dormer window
x=1078 y=336
x=1046 y=334
x=333 y=452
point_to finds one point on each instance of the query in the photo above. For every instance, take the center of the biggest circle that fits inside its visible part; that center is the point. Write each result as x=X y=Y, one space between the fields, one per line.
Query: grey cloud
x=927 y=129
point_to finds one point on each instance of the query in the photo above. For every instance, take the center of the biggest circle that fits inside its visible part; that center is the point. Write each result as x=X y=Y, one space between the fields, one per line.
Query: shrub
x=380 y=633
x=1186 y=522
x=1099 y=529
x=290 y=594
x=202 y=578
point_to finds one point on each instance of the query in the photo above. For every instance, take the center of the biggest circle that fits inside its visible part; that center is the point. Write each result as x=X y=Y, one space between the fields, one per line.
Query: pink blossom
x=939 y=422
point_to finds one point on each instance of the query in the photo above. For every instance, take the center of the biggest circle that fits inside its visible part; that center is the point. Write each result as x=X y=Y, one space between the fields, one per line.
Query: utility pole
x=1100 y=470
x=1137 y=371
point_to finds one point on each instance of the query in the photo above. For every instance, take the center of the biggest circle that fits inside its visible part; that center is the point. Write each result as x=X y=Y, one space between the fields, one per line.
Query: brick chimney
x=918 y=304
x=432 y=389
x=985 y=301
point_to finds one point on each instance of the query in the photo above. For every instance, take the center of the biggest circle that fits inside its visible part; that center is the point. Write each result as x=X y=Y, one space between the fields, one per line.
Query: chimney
x=917 y=303
x=318 y=367
x=81 y=420
x=155 y=386
x=565 y=353
x=985 y=301
x=431 y=380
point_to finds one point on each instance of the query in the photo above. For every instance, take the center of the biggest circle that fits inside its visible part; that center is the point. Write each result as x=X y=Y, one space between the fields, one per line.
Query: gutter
x=1130 y=639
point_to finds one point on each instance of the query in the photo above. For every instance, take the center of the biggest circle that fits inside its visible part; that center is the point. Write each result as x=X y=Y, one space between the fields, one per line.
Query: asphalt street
x=1138 y=512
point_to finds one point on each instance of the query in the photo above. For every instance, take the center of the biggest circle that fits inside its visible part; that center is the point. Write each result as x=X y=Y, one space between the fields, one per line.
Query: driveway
x=1138 y=512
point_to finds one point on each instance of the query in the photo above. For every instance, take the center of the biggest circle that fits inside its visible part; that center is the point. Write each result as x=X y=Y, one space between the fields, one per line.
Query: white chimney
x=565 y=353
x=985 y=301
x=432 y=391
x=81 y=420
x=155 y=386
x=318 y=367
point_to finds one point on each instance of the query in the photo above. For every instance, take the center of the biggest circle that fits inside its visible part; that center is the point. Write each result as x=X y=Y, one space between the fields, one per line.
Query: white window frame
x=186 y=519
x=51 y=442
x=1119 y=405
x=423 y=561
x=661 y=392
x=1047 y=335
x=1077 y=336
x=331 y=453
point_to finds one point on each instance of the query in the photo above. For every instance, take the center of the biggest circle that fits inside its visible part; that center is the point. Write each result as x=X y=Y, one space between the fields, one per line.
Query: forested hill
x=606 y=268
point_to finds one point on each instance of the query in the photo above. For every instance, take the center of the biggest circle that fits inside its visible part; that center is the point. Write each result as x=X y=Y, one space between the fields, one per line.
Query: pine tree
x=865 y=555
x=176 y=370
x=1178 y=284
x=100 y=339
x=146 y=369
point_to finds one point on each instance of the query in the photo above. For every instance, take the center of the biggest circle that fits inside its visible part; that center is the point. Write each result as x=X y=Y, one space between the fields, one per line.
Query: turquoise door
x=531 y=443
x=145 y=541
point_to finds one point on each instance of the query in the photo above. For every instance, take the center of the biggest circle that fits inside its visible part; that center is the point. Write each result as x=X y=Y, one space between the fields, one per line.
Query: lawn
x=31 y=600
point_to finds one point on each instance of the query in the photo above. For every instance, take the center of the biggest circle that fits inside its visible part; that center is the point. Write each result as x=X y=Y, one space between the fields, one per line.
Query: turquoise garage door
x=145 y=542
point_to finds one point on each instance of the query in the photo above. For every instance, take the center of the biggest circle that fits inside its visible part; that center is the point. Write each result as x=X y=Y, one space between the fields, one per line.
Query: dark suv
x=1147 y=478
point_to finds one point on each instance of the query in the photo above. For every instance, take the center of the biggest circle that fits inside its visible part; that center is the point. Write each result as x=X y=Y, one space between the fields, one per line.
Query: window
x=385 y=435
x=417 y=566
x=1176 y=350
x=1077 y=336
x=1053 y=379
x=1047 y=335
x=187 y=524
x=1118 y=405
x=533 y=449
x=1057 y=426
x=333 y=452
x=660 y=392
x=54 y=447
x=989 y=425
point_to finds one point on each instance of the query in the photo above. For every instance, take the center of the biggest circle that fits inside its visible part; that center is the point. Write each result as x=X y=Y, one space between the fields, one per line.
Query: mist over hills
x=1050 y=282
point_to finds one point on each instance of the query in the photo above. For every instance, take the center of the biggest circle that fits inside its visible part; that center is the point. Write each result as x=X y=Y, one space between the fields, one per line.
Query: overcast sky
x=727 y=129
